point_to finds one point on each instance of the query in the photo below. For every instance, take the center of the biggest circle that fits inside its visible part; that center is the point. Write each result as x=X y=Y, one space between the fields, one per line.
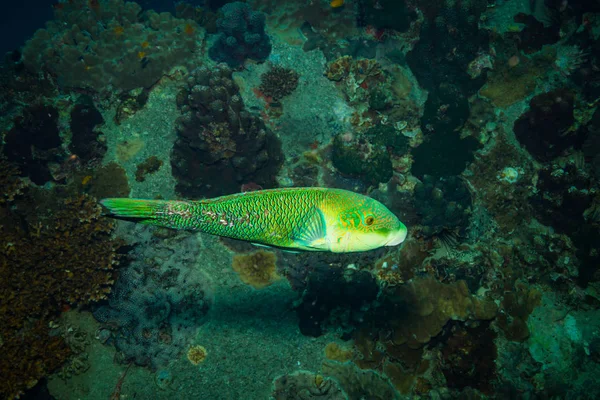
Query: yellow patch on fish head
x=366 y=225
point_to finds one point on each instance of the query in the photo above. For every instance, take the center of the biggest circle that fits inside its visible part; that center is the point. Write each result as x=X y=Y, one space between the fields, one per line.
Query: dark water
x=474 y=122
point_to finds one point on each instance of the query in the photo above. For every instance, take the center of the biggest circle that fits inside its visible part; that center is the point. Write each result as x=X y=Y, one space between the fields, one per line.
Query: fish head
x=367 y=225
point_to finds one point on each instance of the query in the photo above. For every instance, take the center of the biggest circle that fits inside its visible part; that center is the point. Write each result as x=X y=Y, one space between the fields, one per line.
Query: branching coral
x=110 y=44
x=220 y=145
x=278 y=82
x=54 y=252
x=256 y=269
x=241 y=35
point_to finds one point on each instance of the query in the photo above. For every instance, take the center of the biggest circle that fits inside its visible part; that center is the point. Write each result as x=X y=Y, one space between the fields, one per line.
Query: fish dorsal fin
x=313 y=233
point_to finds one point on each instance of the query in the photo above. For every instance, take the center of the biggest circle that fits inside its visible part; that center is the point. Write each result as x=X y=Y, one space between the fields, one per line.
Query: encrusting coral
x=258 y=269
x=429 y=305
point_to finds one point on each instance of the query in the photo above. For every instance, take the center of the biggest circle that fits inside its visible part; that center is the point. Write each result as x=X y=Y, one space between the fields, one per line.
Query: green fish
x=314 y=219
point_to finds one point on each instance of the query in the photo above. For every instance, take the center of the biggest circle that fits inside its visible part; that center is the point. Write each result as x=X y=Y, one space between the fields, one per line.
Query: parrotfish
x=312 y=219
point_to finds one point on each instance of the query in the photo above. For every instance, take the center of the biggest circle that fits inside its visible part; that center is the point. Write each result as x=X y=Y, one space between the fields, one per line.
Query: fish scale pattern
x=263 y=217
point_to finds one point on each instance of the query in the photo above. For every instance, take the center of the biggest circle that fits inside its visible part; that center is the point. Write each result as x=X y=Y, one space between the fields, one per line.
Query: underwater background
x=475 y=122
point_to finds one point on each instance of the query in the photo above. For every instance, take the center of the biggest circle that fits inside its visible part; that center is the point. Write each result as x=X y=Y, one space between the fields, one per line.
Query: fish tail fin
x=151 y=212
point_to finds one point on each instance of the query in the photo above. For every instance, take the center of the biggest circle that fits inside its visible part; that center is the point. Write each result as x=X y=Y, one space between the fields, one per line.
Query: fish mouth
x=397 y=237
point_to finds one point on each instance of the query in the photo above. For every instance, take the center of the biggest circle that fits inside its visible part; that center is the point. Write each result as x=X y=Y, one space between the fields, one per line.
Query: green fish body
x=314 y=219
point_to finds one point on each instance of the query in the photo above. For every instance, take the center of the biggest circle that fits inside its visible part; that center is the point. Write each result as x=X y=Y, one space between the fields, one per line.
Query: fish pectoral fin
x=261 y=245
x=313 y=234
x=264 y=246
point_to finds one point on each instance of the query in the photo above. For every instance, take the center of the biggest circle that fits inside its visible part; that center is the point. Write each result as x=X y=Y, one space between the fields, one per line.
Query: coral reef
x=109 y=180
x=20 y=86
x=158 y=301
x=591 y=145
x=449 y=40
x=86 y=142
x=335 y=297
x=278 y=82
x=257 y=269
x=563 y=195
x=306 y=385
x=11 y=185
x=388 y=14
x=241 y=35
x=130 y=103
x=110 y=45
x=362 y=80
x=443 y=154
x=444 y=204
x=546 y=128
x=468 y=358
x=220 y=145
x=360 y=159
x=34 y=142
x=503 y=176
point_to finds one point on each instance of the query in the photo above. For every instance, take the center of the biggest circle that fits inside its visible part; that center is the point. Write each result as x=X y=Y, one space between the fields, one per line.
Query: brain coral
x=110 y=45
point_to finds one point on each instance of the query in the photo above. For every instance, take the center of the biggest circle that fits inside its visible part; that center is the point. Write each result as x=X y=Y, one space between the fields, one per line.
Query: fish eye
x=369 y=220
